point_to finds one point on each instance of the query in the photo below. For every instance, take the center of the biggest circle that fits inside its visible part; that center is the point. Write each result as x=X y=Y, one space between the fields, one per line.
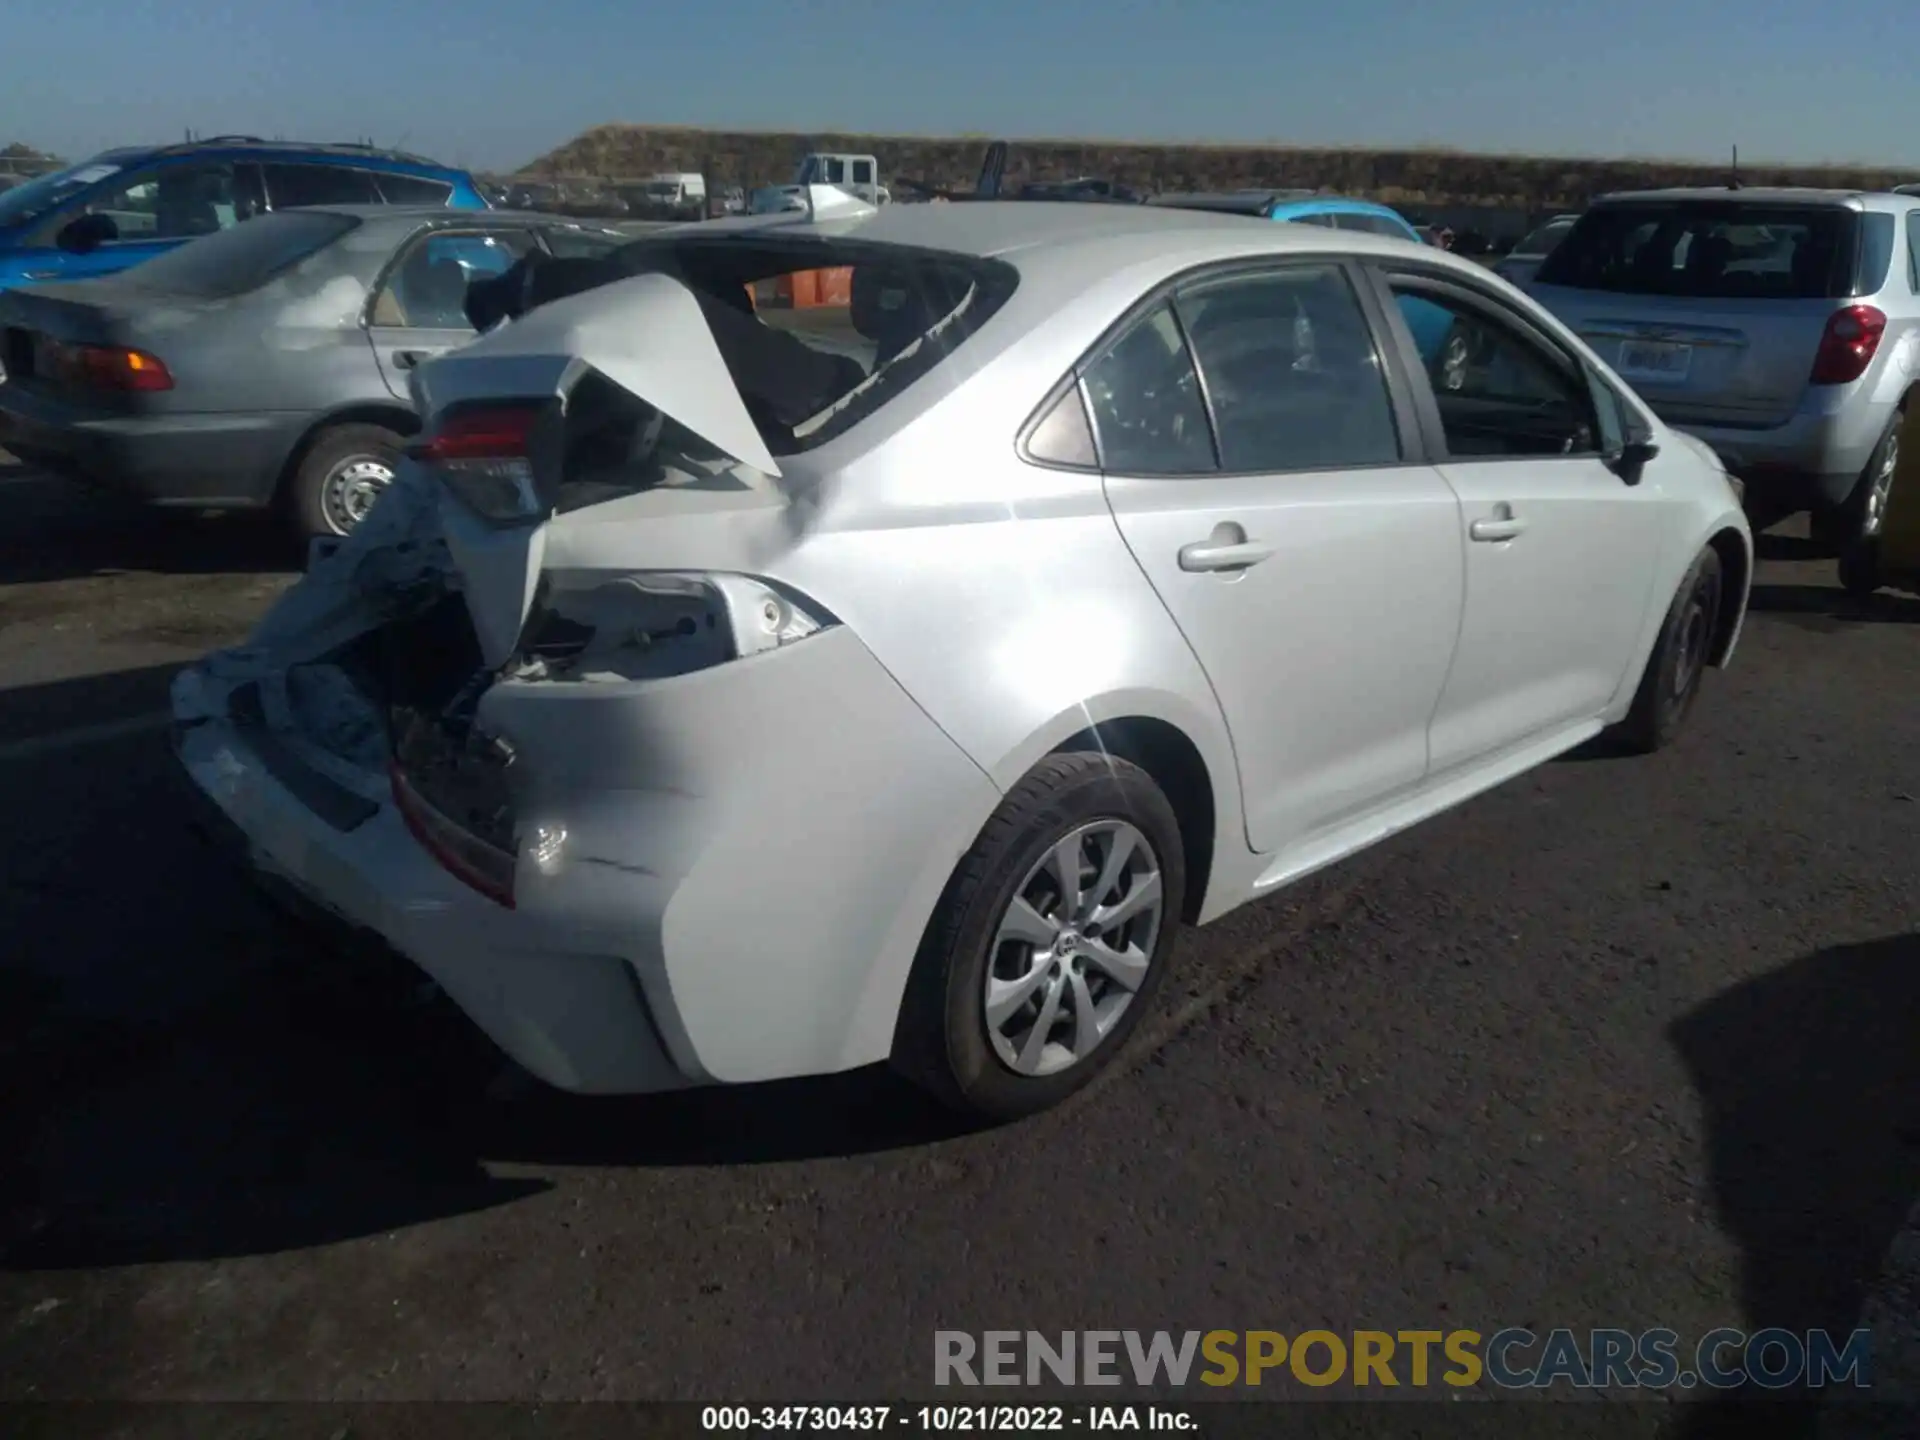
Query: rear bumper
x=1813 y=461
x=216 y=460
x=751 y=856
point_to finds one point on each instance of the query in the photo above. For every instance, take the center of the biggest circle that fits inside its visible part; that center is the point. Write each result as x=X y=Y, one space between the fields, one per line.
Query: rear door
x=1560 y=550
x=419 y=306
x=1712 y=310
x=1276 y=497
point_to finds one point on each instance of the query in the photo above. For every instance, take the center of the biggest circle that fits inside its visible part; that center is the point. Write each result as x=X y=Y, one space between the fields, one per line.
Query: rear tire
x=978 y=1053
x=1860 y=567
x=344 y=469
x=1671 y=681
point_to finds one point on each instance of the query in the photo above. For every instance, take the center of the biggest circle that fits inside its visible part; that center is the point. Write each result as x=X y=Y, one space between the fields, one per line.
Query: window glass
x=1498 y=392
x=428 y=289
x=571 y=242
x=1709 y=250
x=1146 y=403
x=863 y=172
x=242 y=258
x=1064 y=437
x=1291 y=371
x=1879 y=237
x=175 y=202
x=1319 y=217
x=291 y=186
x=412 y=190
x=1913 y=250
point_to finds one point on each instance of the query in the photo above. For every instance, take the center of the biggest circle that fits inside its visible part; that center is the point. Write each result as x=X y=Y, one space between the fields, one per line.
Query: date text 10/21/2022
x=941 y=1419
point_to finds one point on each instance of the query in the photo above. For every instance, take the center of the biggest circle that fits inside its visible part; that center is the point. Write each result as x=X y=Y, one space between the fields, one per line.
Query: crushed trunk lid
x=648 y=336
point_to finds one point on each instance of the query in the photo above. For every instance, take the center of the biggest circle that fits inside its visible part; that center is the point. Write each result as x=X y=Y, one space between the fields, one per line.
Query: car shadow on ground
x=52 y=530
x=190 y=1074
x=1810 y=1080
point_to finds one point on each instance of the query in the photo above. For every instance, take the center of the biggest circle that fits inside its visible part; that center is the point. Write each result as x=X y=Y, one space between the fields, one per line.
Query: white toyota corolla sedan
x=728 y=690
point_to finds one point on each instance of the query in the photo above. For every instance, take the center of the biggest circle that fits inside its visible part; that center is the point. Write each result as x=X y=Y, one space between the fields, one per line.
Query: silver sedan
x=732 y=688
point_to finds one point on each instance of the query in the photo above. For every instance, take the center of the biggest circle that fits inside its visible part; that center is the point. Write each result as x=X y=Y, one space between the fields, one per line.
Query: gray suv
x=1780 y=326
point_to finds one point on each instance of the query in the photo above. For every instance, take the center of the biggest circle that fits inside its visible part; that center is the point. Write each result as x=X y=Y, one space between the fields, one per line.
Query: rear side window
x=1913 y=250
x=1710 y=250
x=290 y=186
x=1319 y=217
x=242 y=258
x=1879 y=236
x=413 y=190
x=1291 y=372
x=1147 y=411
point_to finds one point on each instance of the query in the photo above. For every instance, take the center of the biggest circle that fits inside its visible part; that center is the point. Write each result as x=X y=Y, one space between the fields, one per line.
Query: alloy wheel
x=1073 y=948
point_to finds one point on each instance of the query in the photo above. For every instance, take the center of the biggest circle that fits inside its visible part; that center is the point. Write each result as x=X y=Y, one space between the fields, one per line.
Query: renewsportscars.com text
x=1510 y=1359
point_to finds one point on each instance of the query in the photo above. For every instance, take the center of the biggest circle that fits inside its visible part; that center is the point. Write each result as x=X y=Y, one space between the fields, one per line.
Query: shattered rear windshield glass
x=1710 y=250
x=243 y=257
x=819 y=336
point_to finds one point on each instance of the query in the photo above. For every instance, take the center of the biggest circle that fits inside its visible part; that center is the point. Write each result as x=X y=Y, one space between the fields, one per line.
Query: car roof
x=414 y=214
x=246 y=145
x=987 y=228
x=1753 y=195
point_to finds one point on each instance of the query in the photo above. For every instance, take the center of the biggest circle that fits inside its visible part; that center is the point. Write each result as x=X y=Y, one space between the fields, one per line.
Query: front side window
x=1147 y=410
x=1499 y=392
x=176 y=202
x=1318 y=217
x=1913 y=251
x=427 y=290
x=863 y=172
x=1291 y=371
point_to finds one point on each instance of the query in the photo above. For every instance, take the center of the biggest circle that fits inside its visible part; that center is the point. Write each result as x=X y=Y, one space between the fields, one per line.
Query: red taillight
x=493 y=434
x=109 y=367
x=463 y=855
x=1848 y=344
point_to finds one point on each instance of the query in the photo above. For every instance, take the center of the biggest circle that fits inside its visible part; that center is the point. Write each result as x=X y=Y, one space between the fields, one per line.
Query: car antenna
x=1733 y=175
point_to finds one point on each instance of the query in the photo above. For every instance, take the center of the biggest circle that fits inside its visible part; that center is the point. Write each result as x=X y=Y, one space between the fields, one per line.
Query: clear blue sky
x=493 y=83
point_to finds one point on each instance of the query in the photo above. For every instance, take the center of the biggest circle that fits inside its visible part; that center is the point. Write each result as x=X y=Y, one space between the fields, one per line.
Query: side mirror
x=86 y=234
x=1630 y=460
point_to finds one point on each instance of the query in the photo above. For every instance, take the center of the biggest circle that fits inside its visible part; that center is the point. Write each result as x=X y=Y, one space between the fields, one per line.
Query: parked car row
x=1105 y=566
x=264 y=365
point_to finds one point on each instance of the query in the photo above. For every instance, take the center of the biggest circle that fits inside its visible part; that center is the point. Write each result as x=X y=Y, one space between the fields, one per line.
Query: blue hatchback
x=129 y=205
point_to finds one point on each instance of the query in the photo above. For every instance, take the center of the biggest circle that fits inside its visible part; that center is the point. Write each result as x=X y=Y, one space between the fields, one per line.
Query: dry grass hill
x=1399 y=177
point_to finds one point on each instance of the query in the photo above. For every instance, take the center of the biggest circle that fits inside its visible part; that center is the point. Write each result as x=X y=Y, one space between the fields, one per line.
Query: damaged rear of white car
x=554 y=721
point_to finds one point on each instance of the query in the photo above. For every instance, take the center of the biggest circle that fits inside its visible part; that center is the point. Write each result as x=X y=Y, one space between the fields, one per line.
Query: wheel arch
x=1175 y=764
x=389 y=415
x=1736 y=564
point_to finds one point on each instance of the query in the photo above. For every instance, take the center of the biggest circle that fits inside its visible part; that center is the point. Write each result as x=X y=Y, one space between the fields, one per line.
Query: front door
x=152 y=210
x=1561 y=550
x=1254 y=462
x=419 y=310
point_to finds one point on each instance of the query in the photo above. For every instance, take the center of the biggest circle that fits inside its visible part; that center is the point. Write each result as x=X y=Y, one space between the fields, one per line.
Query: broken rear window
x=1710 y=250
x=818 y=336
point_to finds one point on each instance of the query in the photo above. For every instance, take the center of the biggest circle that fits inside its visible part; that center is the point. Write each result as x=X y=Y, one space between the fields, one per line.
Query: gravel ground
x=1625 y=1043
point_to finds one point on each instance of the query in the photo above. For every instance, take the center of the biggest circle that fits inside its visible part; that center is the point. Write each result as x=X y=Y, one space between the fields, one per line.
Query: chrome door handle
x=1226 y=549
x=1504 y=525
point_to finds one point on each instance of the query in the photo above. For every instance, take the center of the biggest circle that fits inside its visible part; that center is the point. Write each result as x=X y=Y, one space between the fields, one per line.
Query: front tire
x=1049 y=943
x=1671 y=681
x=345 y=469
